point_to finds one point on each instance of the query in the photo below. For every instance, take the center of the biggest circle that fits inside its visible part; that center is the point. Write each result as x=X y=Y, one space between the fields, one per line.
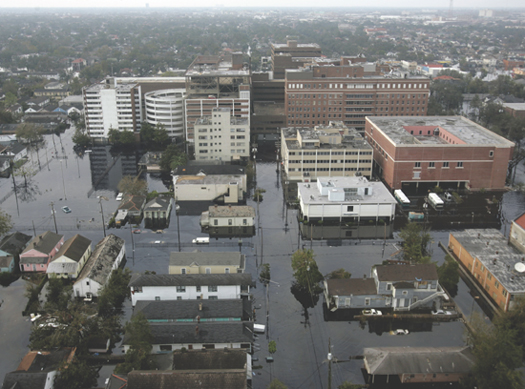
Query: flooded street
x=302 y=336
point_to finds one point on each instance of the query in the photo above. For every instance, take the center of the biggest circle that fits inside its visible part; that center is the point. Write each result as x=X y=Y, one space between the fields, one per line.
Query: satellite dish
x=520 y=267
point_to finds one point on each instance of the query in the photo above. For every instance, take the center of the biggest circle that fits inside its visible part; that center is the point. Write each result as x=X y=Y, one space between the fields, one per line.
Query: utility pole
x=14 y=186
x=100 y=198
x=329 y=364
x=54 y=216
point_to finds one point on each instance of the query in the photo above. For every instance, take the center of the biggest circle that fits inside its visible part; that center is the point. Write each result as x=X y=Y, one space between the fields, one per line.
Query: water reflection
x=353 y=231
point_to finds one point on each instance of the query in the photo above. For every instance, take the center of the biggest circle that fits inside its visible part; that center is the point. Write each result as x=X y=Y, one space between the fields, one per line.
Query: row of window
x=211 y=288
x=325 y=169
x=432 y=165
x=358 y=86
x=329 y=161
x=328 y=153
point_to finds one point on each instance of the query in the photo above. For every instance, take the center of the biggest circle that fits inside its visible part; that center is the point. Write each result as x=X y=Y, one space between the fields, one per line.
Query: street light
x=100 y=198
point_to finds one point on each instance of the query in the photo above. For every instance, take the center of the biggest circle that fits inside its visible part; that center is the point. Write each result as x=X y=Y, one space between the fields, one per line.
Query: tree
x=339 y=274
x=272 y=347
x=10 y=99
x=112 y=295
x=276 y=384
x=29 y=133
x=24 y=171
x=448 y=274
x=133 y=186
x=138 y=357
x=58 y=295
x=415 y=243
x=173 y=157
x=349 y=385
x=5 y=223
x=306 y=272
x=264 y=275
x=80 y=138
x=76 y=375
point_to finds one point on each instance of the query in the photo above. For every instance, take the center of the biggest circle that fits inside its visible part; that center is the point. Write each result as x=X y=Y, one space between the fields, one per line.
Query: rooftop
x=231 y=211
x=491 y=248
x=435 y=130
x=406 y=272
x=351 y=286
x=207 y=180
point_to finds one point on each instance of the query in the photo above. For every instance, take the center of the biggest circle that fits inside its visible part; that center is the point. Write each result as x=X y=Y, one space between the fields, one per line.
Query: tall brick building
x=349 y=92
x=417 y=153
x=292 y=55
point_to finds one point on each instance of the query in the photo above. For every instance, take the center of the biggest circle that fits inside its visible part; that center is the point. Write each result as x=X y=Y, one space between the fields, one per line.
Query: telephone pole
x=54 y=216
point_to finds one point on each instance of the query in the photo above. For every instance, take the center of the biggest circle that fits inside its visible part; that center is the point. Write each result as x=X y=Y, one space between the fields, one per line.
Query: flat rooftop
x=353 y=140
x=208 y=180
x=491 y=248
x=462 y=128
x=380 y=194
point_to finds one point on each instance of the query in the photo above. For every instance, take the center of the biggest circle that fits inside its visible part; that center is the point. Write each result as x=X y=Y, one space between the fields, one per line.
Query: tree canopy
x=305 y=270
x=415 y=243
x=76 y=375
x=29 y=133
x=5 y=222
x=173 y=157
x=133 y=186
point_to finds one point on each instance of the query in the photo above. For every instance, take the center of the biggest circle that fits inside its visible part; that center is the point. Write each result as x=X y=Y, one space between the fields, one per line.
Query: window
x=491 y=153
x=198 y=288
x=405 y=292
x=212 y=288
x=212 y=298
x=459 y=165
x=179 y=297
x=183 y=271
x=165 y=347
x=349 y=208
x=208 y=270
x=230 y=222
x=367 y=301
x=388 y=286
x=181 y=289
x=417 y=164
x=227 y=270
x=137 y=289
x=445 y=165
x=157 y=298
x=417 y=175
x=216 y=222
x=244 y=222
x=431 y=165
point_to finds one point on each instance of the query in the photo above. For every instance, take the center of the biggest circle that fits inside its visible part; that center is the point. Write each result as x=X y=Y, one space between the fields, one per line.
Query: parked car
x=371 y=312
x=66 y=209
x=136 y=231
x=400 y=332
x=441 y=312
x=201 y=241
x=119 y=196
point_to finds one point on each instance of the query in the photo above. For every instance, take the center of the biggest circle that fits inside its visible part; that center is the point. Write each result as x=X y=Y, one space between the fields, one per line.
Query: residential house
x=167 y=337
x=70 y=260
x=106 y=257
x=40 y=251
x=497 y=268
x=206 y=263
x=157 y=212
x=5 y=166
x=235 y=217
x=417 y=365
x=38 y=369
x=189 y=286
x=130 y=208
x=346 y=199
x=396 y=287
x=517 y=233
x=15 y=150
x=196 y=311
x=10 y=248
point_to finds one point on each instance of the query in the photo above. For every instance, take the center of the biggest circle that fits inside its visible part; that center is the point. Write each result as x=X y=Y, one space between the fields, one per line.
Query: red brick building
x=417 y=153
x=349 y=93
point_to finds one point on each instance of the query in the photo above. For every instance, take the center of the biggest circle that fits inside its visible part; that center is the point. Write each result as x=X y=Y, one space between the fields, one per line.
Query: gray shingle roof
x=158 y=203
x=14 y=243
x=44 y=242
x=24 y=380
x=100 y=264
x=210 y=379
x=407 y=272
x=189 y=309
x=418 y=360
x=212 y=332
x=207 y=259
x=190 y=279
x=209 y=359
x=351 y=286
x=74 y=248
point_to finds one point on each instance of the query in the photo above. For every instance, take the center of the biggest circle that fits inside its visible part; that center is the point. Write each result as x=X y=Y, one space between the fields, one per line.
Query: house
x=415 y=154
x=345 y=199
x=157 y=212
x=237 y=216
x=167 y=337
x=196 y=311
x=38 y=369
x=70 y=260
x=15 y=150
x=417 y=365
x=5 y=166
x=517 y=233
x=130 y=208
x=497 y=268
x=396 y=287
x=229 y=189
x=189 y=286
x=206 y=263
x=10 y=248
x=107 y=256
x=40 y=251
x=325 y=151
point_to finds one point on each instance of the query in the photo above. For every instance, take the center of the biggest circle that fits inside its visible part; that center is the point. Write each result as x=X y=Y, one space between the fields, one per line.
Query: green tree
x=173 y=157
x=112 y=295
x=81 y=138
x=5 y=222
x=339 y=274
x=58 y=295
x=29 y=133
x=76 y=375
x=272 y=347
x=264 y=275
x=139 y=338
x=276 y=384
x=133 y=186
x=349 y=385
x=10 y=99
x=448 y=274
x=305 y=270
x=415 y=243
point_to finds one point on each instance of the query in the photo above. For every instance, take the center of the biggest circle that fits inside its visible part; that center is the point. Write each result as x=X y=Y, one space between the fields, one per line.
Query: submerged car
x=66 y=209
x=371 y=312
x=401 y=332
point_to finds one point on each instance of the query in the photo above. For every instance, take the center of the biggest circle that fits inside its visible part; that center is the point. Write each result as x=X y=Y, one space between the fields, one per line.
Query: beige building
x=206 y=263
x=227 y=188
x=517 y=233
x=325 y=151
x=221 y=136
x=228 y=216
x=71 y=258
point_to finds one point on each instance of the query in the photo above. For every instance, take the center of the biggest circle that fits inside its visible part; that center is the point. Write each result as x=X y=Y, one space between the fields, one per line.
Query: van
x=201 y=241
x=259 y=328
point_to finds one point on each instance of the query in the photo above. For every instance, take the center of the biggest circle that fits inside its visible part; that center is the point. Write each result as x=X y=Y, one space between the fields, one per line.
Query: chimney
x=200 y=306
x=198 y=319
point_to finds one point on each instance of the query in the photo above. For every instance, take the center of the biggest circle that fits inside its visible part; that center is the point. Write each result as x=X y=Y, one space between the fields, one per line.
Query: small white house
x=228 y=216
x=346 y=199
x=106 y=257
x=189 y=286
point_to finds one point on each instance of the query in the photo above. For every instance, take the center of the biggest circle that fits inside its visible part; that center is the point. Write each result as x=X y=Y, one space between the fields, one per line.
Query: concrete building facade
x=166 y=107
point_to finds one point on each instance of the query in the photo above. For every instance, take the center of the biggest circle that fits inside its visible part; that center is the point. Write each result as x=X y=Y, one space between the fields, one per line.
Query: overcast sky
x=266 y=3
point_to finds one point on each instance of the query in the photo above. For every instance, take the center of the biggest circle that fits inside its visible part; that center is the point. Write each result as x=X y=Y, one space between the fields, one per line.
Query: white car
x=400 y=332
x=441 y=312
x=119 y=196
x=371 y=312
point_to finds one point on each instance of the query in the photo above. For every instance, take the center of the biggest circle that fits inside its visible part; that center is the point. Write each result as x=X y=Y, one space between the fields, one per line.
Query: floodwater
x=302 y=335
